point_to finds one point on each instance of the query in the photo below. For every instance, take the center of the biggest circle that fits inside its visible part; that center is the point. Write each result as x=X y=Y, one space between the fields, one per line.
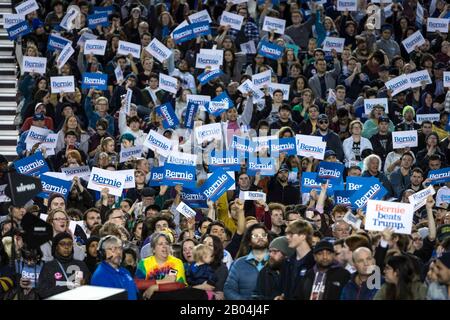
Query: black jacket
x=333 y=143
x=285 y=195
x=336 y=278
x=268 y=285
x=292 y=271
x=378 y=148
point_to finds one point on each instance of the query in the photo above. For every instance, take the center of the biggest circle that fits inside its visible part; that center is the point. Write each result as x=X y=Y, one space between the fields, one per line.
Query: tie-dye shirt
x=149 y=269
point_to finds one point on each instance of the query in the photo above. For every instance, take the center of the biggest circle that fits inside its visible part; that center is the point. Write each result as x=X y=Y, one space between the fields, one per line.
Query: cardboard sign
x=95 y=80
x=157 y=142
x=175 y=174
x=419 y=78
x=22 y=188
x=263 y=166
x=27 y=7
x=248 y=47
x=280 y=86
x=200 y=17
x=216 y=185
x=126 y=48
x=98 y=19
x=119 y=74
x=130 y=153
x=95 y=47
x=436 y=24
x=310 y=146
x=403 y=139
x=72 y=172
x=36 y=135
x=10 y=19
x=374 y=191
x=350 y=5
x=183 y=33
x=168 y=83
x=113 y=180
x=18 y=30
x=128 y=97
x=330 y=171
x=283 y=145
x=252 y=195
x=243 y=146
x=419 y=199
x=130 y=179
x=331 y=43
x=156 y=177
x=398 y=84
x=56 y=42
x=49 y=143
x=208 y=132
x=270 y=50
x=263 y=142
x=34 y=64
x=261 y=79
x=3 y=196
x=343 y=197
x=439 y=176
x=383 y=214
x=54 y=185
x=169 y=118
x=182 y=158
x=84 y=37
x=447 y=79
x=34 y=165
x=65 y=55
x=185 y=210
x=370 y=103
x=67 y=22
x=274 y=24
x=310 y=182
x=200 y=100
x=247 y=86
x=413 y=41
x=216 y=108
x=209 y=76
x=356 y=183
x=233 y=20
x=352 y=220
x=64 y=84
x=205 y=60
x=108 y=9
x=158 y=50
x=433 y=117
x=193 y=198
x=224 y=159
x=200 y=29
x=190 y=114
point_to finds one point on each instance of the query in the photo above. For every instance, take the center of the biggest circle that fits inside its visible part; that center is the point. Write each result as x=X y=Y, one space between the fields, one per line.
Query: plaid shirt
x=251 y=32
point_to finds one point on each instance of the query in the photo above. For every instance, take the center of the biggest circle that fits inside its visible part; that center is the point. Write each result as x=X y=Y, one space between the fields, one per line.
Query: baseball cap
x=383 y=119
x=322 y=117
x=329 y=153
x=148 y=192
x=443 y=232
x=283 y=167
x=323 y=245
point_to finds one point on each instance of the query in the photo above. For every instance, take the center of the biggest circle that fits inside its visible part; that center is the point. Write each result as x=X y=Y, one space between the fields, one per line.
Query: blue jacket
x=352 y=291
x=242 y=279
x=106 y=276
x=93 y=116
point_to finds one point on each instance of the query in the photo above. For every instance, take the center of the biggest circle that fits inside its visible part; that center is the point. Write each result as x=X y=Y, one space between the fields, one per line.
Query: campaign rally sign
x=64 y=84
x=227 y=160
x=252 y=195
x=67 y=21
x=186 y=159
x=107 y=9
x=208 y=132
x=169 y=118
x=126 y=48
x=419 y=78
x=356 y=183
x=243 y=146
x=283 y=145
x=98 y=19
x=216 y=108
x=247 y=86
x=158 y=50
x=84 y=37
x=56 y=42
x=403 y=139
x=204 y=61
x=209 y=76
x=270 y=50
x=436 y=24
x=343 y=197
x=216 y=185
x=200 y=29
x=200 y=17
x=224 y=97
x=175 y=174
x=447 y=79
x=168 y=83
x=18 y=30
x=130 y=179
x=27 y=7
x=95 y=47
x=130 y=153
x=54 y=185
x=183 y=34
x=439 y=176
x=370 y=103
x=262 y=142
x=65 y=55
x=331 y=43
x=95 y=80
x=49 y=143
x=72 y=172
x=261 y=79
x=127 y=103
x=398 y=84
x=194 y=198
x=214 y=52
x=274 y=24
x=113 y=180
x=11 y=19
x=263 y=166
x=156 y=177
x=383 y=214
x=36 y=135
x=419 y=199
x=310 y=146
x=372 y=191
x=189 y=116
x=280 y=86
x=427 y=117
x=413 y=41
x=3 y=196
x=350 y=5
x=330 y=171
x=158 y=143
x=231 y=19
x=310 y=182
x=34 y=165
x=34 y=64
x=248 y=47
x=185 y=210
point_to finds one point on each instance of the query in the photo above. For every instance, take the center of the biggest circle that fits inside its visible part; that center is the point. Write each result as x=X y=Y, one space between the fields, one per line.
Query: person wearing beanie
x=64 y=272
x=268 y=283
x=408 y=123
x=388 y=45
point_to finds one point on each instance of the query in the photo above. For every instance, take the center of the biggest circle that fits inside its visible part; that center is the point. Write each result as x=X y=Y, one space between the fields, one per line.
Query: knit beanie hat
x=281 y=244
x=408 y=108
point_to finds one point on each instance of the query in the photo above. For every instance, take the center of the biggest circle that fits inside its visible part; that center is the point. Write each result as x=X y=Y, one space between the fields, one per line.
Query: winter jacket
x=348 y=149
x=286 y=195
x=333 y=143
x=292 y=271
x=353 y=291
x=419 y=291
x=106 y=276
x=268 y=284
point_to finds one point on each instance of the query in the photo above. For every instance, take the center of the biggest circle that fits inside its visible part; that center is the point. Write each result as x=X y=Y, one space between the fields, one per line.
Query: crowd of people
x=295 y=243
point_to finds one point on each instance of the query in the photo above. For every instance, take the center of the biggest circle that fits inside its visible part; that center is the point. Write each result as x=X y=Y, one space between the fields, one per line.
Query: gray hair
x=369 y=158
x=155 y=237
x=109 y=240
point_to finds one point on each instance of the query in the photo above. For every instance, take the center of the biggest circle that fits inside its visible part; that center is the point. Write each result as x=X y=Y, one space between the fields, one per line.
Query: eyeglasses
x=323 y=122
x=259 y=236
x=417 y=239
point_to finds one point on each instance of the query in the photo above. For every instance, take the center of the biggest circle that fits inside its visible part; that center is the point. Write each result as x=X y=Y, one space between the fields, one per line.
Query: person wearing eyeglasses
x=116 y=216
x=253 y=255
x=329 y=136
x=65 y=272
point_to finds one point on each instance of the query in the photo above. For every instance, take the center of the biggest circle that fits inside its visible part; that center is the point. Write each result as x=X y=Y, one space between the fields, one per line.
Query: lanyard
x=62 y=269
